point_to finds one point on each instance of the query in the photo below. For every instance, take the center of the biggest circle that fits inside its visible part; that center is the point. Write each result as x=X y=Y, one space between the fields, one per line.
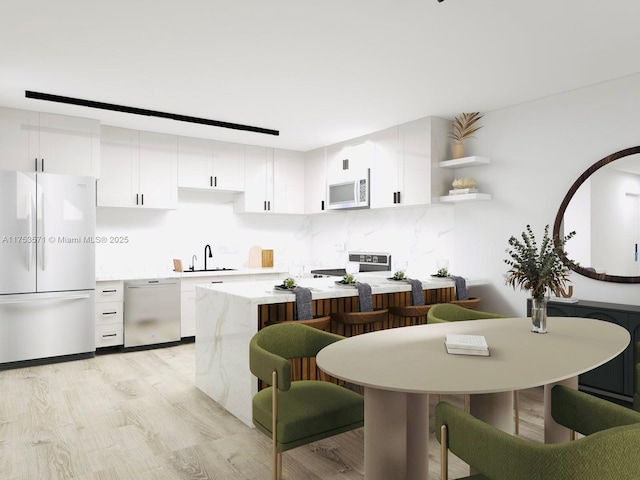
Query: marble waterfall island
x=229 y=314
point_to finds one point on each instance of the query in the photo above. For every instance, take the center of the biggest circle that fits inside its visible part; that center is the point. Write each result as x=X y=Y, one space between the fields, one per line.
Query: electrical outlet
x=339 y=247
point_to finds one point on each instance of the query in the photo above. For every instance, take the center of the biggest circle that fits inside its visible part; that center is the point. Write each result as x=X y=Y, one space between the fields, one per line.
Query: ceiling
x=318 y=71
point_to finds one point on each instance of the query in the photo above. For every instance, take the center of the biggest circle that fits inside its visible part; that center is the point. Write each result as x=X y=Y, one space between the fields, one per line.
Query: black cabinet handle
x=107 y=335
x=215 y=181
x=264 y=207
x=211 y=181
x=322 y=205
x=36 y=164
x=136 y=199
x=42 y=164
x=142 y=199
x=399 y=197
x=395 y=197
x=269 y=205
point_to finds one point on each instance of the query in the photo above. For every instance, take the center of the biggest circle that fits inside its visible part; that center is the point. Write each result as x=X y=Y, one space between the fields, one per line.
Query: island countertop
x=263 y=292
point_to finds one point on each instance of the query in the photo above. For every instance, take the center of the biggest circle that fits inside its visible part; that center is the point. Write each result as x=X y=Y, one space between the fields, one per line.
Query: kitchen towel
x=461 y=288
x=303 y=303
x=364 y=294
x=417 y=298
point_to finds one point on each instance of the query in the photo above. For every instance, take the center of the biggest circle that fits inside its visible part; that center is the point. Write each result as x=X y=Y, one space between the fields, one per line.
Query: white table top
x=414 y=359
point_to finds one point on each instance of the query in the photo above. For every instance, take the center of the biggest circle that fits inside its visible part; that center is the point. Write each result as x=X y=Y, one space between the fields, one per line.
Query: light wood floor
x=139 y=416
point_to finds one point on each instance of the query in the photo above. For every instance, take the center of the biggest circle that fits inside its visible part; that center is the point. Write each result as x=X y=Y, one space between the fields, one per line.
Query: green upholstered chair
x=450 y=312
x=610 y=449
x=295 y=413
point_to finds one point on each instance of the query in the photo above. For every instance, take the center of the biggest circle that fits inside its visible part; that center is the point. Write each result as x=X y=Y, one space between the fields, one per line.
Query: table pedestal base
x=495 y=409
x=396 y=435
x=553 y=431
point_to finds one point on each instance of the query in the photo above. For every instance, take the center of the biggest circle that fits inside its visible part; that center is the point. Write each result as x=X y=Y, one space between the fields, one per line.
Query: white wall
x=537 y=151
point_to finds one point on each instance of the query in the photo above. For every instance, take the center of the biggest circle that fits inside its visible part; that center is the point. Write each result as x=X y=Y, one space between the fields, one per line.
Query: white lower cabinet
x=109 y=314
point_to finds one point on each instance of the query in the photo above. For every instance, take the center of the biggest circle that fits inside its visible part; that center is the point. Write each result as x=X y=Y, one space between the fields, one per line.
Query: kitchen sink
x=219 y=269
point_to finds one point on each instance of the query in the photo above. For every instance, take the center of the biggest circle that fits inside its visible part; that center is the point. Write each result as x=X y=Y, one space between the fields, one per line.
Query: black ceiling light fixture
x=149 y=113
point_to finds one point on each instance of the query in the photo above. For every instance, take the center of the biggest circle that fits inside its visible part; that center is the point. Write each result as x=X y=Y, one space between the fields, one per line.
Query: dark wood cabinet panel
x=615 y=378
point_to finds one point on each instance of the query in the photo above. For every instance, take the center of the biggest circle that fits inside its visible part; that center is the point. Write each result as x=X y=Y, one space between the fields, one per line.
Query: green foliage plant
x=537 y=270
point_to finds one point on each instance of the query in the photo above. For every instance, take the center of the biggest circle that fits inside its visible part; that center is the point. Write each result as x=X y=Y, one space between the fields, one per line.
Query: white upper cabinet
x=140 y=169
x=288 y=181
x=258 y=167
x=406 y=171
x=158 y=170
x=386 y=174
x=274 y=181
x=347 y=158
x=43 y=142
x=210 y=165
x=315 y=181
x=228 y=166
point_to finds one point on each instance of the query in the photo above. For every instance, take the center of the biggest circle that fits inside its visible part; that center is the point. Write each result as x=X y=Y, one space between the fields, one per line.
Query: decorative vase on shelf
x=539 y=315
x=458 y=149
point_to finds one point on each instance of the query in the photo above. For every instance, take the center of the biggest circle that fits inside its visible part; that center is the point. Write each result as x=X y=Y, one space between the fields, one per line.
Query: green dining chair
x=609 y=450
x=451 y=312
x=295 y=413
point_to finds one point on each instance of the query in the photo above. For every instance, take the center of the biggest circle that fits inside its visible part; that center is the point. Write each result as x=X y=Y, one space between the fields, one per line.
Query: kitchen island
x=228 y=315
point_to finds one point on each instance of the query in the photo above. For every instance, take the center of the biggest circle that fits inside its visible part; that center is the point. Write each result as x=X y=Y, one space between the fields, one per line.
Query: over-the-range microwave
x=350 y=193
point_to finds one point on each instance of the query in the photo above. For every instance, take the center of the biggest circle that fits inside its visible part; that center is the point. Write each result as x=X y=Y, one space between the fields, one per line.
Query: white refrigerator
x=47 y=262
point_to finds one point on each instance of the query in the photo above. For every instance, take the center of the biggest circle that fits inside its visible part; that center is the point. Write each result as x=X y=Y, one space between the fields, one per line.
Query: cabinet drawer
x=109 y=312
x=109 y=335
x=109 y=291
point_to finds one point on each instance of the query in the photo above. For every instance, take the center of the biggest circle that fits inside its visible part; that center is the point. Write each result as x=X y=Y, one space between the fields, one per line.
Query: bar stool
x=409 y=315
x=355 y=323
x=470 y=303
x=321 y=323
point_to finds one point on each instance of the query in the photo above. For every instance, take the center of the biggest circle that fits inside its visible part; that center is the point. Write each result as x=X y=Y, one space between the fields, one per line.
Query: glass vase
x=539 y=315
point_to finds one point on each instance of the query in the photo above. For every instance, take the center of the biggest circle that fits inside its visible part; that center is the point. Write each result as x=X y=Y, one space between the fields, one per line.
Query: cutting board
x=267 y=258
x=255 y=257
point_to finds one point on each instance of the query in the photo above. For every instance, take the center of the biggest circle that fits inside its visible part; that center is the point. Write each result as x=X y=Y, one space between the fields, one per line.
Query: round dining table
x=400 y=367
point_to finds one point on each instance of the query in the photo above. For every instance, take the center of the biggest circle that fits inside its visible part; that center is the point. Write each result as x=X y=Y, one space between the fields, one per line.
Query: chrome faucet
x=207 y=247
x=193 y=262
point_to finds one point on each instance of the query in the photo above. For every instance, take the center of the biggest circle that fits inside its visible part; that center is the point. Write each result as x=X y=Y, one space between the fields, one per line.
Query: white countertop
x=141 y=274
x=261 y=293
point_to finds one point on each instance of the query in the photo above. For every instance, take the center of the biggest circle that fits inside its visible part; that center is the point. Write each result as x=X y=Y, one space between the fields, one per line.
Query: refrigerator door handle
x=43 y=232
x=31 y=244
x=30 y=300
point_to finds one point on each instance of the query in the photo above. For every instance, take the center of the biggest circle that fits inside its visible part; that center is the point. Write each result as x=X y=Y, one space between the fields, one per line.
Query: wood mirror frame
x=563 y=207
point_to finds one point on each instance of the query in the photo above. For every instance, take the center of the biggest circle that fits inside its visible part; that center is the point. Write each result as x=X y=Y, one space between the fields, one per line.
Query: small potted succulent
x=289 y=282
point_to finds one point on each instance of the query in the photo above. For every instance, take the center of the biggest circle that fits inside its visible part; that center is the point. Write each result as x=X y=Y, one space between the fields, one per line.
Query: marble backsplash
x=417 y=235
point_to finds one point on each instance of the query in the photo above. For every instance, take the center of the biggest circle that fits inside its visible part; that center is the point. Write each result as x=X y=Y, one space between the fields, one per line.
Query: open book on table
x=466 y=344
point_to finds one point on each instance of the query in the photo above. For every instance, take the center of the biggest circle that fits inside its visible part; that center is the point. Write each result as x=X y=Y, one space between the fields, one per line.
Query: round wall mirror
x=603 y=208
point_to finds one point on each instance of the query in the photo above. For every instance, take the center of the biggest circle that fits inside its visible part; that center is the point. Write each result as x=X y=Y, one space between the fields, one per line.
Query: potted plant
x=538 y=270
x=463 y=127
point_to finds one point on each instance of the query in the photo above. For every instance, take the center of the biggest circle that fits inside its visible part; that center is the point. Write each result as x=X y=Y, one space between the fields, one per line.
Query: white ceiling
x=318 y=71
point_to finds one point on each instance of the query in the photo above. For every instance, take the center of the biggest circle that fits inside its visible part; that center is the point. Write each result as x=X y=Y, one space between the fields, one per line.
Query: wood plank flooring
x=138 y=415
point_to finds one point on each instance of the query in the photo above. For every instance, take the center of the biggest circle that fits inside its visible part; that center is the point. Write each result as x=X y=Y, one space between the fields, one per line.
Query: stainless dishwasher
x=151 y=312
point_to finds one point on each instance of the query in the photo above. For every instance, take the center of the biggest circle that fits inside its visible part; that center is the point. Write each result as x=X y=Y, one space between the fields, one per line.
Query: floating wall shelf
x=464 y=162
x=466 y=197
